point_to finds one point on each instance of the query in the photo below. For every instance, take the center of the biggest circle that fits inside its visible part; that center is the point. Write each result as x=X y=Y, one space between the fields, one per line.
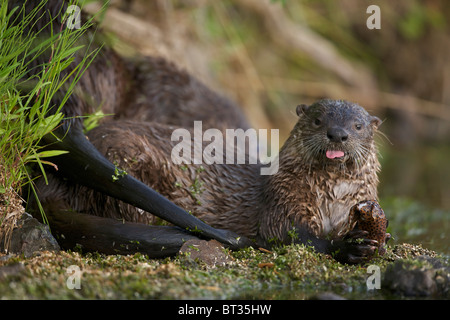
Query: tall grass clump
x=28 y=111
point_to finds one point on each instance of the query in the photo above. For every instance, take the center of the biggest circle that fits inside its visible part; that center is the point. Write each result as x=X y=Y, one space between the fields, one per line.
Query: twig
x=296 y=36
x=371 y=100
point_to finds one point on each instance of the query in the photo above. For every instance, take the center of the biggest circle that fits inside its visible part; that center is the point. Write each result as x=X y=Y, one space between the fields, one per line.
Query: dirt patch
x=11 y=209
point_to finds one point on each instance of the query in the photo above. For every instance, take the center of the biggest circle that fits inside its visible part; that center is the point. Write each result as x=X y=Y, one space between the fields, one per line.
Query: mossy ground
x=288 y=272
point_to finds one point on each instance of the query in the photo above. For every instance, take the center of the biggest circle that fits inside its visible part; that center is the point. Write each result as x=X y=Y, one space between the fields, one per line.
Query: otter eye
x=317 y=122
x=358 y=126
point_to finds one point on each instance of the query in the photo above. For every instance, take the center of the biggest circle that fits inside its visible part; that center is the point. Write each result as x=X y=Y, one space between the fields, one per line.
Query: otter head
x=336 y=132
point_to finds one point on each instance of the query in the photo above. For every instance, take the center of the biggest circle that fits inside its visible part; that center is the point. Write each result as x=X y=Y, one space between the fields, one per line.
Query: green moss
x=287 y=272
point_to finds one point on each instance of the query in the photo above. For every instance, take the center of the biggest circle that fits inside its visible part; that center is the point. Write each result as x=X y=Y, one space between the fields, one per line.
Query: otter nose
x=337 y=135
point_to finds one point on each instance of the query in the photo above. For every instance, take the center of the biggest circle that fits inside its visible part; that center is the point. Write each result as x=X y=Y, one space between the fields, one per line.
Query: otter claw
x=352 y=252
x=356 y=233
x=388 y=237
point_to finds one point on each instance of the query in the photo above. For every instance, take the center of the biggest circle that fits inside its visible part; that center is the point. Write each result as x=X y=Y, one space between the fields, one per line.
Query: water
x=415 y=195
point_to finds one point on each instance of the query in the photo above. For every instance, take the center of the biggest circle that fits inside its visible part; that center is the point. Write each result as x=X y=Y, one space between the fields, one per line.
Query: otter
x=327 y=165
x=112 y=190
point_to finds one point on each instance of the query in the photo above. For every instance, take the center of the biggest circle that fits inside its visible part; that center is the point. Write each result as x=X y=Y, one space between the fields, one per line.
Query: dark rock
x=30 y=236
x=209 y=252
x=423 y=277
x=13 y=270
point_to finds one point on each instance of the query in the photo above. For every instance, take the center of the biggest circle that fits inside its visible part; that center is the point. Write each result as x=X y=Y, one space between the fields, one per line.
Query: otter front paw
x=354 y=248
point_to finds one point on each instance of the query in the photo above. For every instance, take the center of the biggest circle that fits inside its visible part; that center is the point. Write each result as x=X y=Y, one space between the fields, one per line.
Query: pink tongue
x=334 y=154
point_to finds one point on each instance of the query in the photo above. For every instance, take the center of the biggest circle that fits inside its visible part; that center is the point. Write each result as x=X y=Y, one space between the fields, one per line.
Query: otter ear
x=301 y=108
x=375 y=121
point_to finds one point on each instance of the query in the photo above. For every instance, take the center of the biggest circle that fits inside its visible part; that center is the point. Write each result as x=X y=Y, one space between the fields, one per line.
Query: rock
x=30 y=236
x=423 y=277
x=209 y=252
x=13 y=270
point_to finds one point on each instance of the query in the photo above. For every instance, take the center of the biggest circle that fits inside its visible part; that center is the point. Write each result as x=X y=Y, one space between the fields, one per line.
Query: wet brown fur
x=313 y=191
x=314 y=195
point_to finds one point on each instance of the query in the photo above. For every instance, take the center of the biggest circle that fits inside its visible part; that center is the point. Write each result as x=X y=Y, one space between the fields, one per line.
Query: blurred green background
x=270 y=56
